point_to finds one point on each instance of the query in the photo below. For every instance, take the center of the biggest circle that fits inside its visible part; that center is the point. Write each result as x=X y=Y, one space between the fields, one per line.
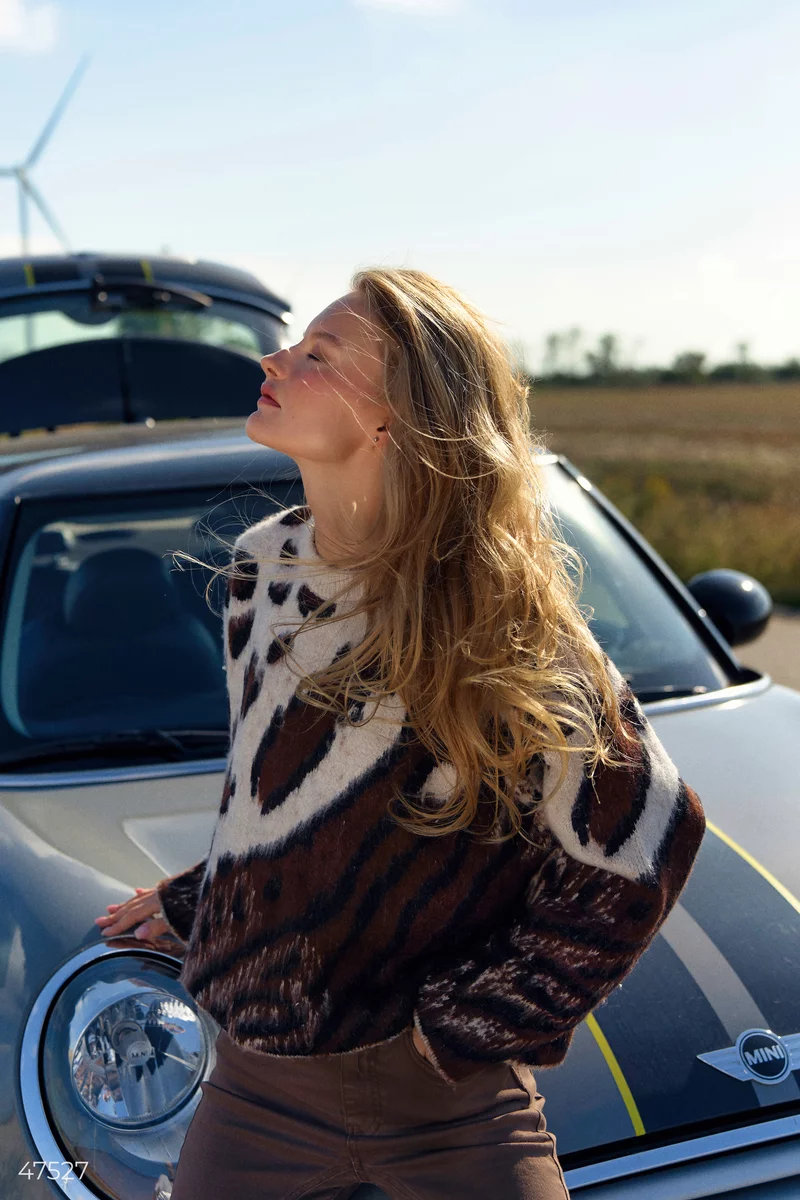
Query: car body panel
x=737 y=755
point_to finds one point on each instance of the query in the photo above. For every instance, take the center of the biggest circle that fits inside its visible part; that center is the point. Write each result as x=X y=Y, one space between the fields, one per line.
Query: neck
x=345 y=505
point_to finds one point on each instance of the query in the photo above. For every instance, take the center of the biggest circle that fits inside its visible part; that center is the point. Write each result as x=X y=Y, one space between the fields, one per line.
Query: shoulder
x=621 y=818
x=271 y=533
x=257 y=552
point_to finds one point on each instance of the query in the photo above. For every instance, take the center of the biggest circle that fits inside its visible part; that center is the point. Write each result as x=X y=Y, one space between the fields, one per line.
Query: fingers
x=120 y=917
x=153 y=928
x=114 y=907
x=119 y=914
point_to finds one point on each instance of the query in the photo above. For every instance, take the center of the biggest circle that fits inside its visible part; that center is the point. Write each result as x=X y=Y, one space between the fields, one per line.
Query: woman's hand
x=142 y=910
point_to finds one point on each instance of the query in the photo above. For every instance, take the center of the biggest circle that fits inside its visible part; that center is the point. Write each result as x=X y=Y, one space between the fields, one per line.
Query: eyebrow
x=323 y=333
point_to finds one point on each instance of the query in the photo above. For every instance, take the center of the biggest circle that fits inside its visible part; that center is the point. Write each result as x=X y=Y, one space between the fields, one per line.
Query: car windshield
x=106 y=632
x=134 y=353
x=60 y=321
x=633 y=617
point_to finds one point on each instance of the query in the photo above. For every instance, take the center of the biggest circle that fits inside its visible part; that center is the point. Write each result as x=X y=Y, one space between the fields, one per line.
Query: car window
x=106 y=631
x=633 y=617
x=62 y=321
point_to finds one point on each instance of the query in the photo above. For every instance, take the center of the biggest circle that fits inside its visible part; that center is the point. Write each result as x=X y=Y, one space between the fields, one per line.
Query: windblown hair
x=473 y=617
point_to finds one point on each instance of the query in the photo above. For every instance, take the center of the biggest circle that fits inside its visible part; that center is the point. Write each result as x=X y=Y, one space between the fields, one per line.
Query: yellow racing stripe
x=615 y=1069
x=591 y=1020
x=756 y=865
x=30 y=278
x=147 y=270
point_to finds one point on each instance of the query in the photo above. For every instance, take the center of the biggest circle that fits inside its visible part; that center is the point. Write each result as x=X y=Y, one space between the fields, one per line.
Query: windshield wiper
x=176 y=745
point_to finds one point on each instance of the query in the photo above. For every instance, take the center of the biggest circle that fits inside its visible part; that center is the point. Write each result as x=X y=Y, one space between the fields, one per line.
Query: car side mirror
x=738 y=604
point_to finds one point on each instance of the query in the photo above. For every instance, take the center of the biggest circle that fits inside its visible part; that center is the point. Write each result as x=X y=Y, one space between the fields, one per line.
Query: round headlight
x=140 y=1056
x=121 y=1054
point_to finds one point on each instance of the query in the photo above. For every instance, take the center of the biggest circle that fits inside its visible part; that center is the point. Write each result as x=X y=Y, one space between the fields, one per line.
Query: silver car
x=113 y=744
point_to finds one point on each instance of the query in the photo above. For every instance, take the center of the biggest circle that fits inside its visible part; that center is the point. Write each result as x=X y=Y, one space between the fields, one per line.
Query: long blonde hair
x=473 y=617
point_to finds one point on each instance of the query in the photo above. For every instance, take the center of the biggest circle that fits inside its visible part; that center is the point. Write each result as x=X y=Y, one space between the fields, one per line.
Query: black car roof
x=40 y=274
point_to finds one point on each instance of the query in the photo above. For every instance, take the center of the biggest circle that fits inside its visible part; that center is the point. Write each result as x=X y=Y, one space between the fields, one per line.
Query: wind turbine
x=26 y=190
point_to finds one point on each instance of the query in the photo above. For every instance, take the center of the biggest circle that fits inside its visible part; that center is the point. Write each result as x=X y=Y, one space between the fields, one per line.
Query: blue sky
x=617 y=165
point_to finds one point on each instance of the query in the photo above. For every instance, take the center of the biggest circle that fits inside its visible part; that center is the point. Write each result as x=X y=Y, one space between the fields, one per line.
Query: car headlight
x=113 y=1056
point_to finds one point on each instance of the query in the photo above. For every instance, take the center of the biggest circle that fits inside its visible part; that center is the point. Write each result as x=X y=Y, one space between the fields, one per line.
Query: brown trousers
x=273 y=1128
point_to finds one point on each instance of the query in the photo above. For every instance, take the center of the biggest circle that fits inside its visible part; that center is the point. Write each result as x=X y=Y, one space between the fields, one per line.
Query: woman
x=447 y=829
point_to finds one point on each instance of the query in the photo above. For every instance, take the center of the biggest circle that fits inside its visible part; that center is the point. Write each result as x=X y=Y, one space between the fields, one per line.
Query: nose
x=272 y=364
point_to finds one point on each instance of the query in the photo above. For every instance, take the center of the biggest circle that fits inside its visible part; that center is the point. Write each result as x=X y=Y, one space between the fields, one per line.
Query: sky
x=611 y=165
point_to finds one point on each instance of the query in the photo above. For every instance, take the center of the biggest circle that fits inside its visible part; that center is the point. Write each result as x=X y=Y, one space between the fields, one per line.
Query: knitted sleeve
x=179 y=895
x=618 y=850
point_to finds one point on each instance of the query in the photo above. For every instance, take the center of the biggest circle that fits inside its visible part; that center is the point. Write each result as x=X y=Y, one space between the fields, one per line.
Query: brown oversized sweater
x=317 y=925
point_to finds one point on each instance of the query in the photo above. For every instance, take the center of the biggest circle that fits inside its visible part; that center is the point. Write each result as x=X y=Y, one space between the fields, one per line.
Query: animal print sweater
x=317 y=925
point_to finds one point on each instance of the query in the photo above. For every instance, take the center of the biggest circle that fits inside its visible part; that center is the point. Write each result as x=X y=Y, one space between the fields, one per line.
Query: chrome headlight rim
x=31 y=1087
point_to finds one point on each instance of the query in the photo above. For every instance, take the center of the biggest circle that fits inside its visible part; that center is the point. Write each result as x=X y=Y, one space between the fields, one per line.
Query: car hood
x=726 y=960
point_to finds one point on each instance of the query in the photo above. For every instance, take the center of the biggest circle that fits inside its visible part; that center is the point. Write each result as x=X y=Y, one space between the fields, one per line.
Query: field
x=709 y=474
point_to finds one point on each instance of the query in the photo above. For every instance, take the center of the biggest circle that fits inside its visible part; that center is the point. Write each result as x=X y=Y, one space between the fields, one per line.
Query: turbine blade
x=38 y=200
x=56 y=114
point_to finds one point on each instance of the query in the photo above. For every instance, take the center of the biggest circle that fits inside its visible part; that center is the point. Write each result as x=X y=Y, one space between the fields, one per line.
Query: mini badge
x=759 y=1055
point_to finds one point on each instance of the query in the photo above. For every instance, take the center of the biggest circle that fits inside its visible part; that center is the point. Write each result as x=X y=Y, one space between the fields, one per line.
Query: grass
x=710 y=475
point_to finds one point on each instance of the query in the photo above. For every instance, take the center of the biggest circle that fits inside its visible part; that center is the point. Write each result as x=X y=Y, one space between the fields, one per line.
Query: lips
x=267 y=395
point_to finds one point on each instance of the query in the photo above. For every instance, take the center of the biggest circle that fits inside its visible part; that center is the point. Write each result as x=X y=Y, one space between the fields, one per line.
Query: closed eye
x=315 y=358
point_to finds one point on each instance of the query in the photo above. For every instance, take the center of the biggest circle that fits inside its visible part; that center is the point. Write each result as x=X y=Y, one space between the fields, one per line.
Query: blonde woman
x=447 y=829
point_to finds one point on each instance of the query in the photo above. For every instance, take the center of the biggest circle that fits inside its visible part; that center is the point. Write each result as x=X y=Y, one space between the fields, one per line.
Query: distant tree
x=738 y=372
x=743 y=370
x=689 y=366
x=604 y=362
x=564 y=365
x=788 y=370
x=561 y=360
x=572 y=340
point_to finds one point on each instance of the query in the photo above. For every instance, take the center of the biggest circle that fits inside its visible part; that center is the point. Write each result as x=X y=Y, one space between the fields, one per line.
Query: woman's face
x=328 y=386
